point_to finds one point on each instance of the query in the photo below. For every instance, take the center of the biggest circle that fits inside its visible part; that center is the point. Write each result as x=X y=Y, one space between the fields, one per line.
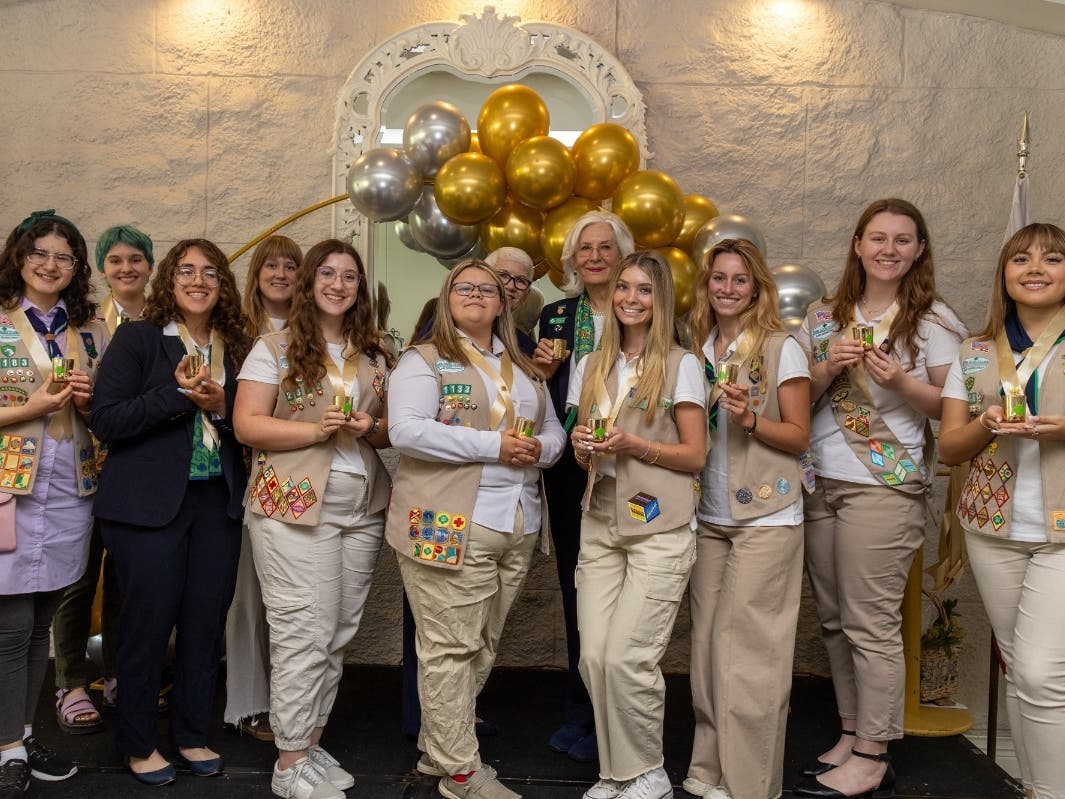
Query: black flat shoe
x=810 y=786
x=820 y=766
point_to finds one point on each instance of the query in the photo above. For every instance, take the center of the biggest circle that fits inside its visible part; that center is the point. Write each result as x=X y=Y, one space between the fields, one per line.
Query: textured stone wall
x=215 y=118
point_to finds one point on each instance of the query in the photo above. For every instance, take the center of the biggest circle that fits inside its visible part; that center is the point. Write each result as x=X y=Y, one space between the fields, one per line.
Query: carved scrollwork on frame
x=485 y=46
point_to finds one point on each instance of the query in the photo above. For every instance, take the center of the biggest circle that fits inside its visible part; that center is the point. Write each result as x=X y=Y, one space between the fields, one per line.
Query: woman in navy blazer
x=170 y=498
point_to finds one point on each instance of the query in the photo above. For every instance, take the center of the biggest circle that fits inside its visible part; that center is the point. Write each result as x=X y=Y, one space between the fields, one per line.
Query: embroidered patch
x=875 y=446
x=970 y=381
x=1002 y=497
x=8 y=333
x=986 y=494
x=447 y=367
x=643 y=507
x=887 y=451
x=982 y=517
x=1005 y=472
x=378 y=385
x=90 y=345
x=900 y=472
x=744 y=497
x=783 y=486
x=765 y=491
x=439 y=535
x=980 y=346
x=823 y=330
x=908 y=465
x=876 y=458
x=974 y=363
x=823 y=316
x=891 y=479
x=1057 y=518
x=988 y=469
x=848 y=406
x=997 y=520
x=840 y=395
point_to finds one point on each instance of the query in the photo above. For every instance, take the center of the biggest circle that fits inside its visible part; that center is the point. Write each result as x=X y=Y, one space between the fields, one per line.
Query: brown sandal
x=76 y=715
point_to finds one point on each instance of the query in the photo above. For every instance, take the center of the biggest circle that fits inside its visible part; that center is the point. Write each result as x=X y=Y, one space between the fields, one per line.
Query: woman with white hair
x=595 y=245
x=515 y=269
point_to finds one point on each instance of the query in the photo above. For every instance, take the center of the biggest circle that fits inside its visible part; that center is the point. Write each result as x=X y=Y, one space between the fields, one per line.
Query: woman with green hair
x=124 y=256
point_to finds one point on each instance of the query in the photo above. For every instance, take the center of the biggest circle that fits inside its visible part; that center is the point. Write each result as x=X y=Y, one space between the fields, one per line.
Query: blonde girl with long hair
x=641 y=433
x=747 y=577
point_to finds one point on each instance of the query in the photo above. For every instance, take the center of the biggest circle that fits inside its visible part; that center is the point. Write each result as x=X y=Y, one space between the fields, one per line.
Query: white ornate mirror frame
x=484 y=47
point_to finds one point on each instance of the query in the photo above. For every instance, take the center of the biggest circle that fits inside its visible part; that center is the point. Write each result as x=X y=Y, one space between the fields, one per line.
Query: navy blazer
x=147 y=425
x=558 y=320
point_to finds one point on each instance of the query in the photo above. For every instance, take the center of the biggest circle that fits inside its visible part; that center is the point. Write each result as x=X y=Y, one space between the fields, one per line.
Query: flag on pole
x=1020 y=214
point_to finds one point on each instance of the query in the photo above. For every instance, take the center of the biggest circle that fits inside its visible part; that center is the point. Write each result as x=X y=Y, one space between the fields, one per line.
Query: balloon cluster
x=455 y=194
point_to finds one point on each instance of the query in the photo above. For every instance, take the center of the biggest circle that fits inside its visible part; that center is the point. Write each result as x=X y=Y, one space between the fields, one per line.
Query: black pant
x=24 y=623
x=564 y=485
x=181 y=574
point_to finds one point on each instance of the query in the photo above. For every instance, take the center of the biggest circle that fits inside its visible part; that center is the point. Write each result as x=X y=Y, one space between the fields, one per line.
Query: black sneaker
x=14 y=779
x=46 y=764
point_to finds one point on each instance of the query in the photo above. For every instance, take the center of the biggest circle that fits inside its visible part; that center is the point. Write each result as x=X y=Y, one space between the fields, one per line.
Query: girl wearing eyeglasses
x=311 y=404
x=466 y=509
x=47 y=467
x=267 y=301
x=641 y=434
x=170 y=498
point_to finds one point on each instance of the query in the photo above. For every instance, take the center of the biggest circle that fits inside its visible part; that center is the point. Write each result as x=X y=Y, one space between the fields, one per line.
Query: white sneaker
x=605 y=789
x=330 y=766
x=426 y=765
x=303 y=780
x=699 y=788
x=653 y=784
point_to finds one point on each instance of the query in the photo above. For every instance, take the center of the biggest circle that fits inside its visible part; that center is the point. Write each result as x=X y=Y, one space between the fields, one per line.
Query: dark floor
x=364 y=735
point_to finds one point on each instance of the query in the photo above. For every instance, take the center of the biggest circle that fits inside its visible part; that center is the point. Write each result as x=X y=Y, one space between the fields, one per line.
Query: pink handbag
x=7 y=522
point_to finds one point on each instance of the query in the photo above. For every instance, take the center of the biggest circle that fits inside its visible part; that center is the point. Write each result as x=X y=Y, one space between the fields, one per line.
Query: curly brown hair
x=80 y=309
x=307 y=351
x=914 y=295
x=226 y=317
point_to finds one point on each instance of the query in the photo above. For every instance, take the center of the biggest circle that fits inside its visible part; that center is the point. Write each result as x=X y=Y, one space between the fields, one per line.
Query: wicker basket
x=939 y=672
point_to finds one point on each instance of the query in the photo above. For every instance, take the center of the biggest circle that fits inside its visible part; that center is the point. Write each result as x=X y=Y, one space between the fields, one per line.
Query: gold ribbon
x=503 y=405
x=1011 y=374
x=342 y=383
x=880 y=334
x=61 y=423
x=216 y=353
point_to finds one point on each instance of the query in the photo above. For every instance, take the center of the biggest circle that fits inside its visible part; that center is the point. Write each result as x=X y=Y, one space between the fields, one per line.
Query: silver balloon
x=402 y=228
x=726 y=226
x=384 y=184
x=433 y=134
x=797 y=287
x=476 y=251
x=435 y=233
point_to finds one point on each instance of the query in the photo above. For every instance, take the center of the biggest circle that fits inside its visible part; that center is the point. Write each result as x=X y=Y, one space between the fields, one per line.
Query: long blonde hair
x=1050 y=237
x=761 y=318
x=651 y=366
x=445 y=335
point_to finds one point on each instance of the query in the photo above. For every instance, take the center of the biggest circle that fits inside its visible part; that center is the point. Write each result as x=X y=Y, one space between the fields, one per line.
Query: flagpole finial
x=1023 y=142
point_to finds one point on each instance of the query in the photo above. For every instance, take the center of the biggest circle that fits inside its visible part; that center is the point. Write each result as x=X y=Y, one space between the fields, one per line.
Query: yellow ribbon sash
x=503 y=405
x=1011 y=374
x=61 y=423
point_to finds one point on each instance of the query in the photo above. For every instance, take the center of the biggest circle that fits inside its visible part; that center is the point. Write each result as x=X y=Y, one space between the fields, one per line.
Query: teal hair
x=127 y=234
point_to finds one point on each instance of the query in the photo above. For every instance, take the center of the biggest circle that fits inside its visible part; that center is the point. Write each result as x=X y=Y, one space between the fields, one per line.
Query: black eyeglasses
x=522 y=283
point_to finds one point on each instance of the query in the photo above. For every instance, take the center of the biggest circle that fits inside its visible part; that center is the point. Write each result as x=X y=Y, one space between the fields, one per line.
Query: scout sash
x=216 y=353
x=112 y=317
x=61 y=425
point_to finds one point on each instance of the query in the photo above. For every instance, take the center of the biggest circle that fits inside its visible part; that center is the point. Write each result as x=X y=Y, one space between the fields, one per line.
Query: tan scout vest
x=761 y=479
x=432 y=503
x=864 y=430
x=986 y=504
x=289 y=485
x=642 y=485
x=20 y=444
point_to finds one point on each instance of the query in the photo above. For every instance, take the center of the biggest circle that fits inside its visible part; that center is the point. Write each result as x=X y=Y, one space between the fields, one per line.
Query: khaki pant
x=745 y=589
x=1023 y=588
x=860 y=542
x=247 y=643
x=315 y=582
x=628 y=592
x=459 y=615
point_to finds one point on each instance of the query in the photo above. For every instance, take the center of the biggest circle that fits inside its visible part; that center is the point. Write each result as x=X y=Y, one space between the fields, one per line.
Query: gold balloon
x=475 y=143
x=651 y=204
x=515 y=225
x=540 y=172
x=697 y=210
x=684 y=272
x=470 y=188
x=605 y=154
x=557 y=225
x=510 y=115
x=556 y=276
x=541 y=269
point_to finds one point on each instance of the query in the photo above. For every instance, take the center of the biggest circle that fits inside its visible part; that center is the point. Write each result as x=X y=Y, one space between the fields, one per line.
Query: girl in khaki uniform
x=875 y=387
x=641 y=432
x=316 y=499
x=1013 y=506
x=747 y=577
